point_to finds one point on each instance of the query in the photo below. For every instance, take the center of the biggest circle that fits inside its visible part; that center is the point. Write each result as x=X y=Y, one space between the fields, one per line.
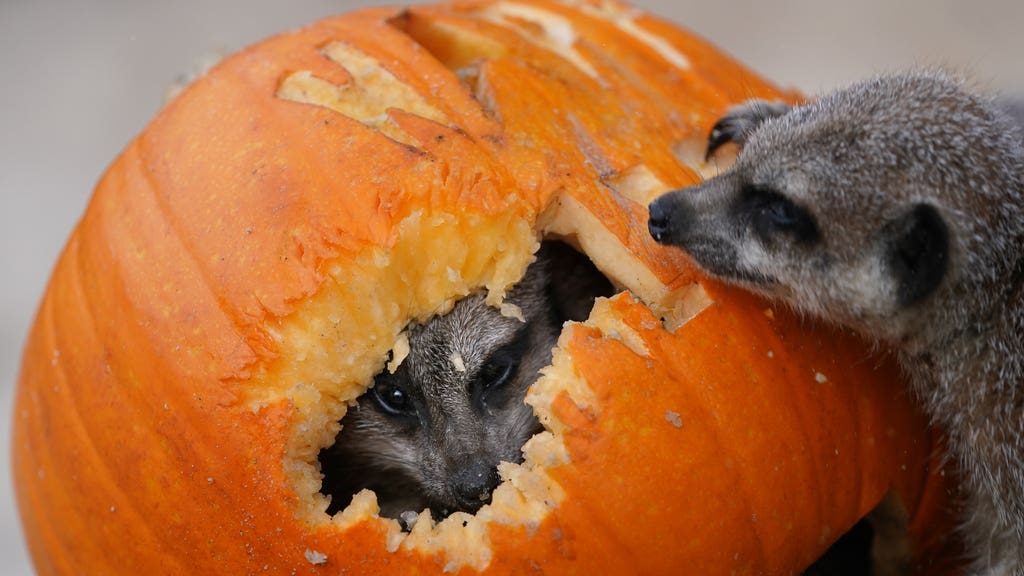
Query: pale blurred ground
x=83 y=76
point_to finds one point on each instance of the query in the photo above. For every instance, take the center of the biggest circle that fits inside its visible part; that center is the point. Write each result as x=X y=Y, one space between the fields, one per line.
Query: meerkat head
x=854 y=207
x=769 y=230
x=432 y=433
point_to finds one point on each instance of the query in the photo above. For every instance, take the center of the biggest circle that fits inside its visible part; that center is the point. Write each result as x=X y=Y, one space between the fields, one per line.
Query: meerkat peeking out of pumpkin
x=432 y=429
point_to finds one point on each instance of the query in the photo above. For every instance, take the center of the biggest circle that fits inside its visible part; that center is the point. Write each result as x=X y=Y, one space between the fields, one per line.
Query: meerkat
x=894 y=207
x=431 y=434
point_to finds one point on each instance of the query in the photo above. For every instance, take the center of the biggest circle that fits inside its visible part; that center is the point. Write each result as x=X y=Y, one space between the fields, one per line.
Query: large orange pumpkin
x=248 y=261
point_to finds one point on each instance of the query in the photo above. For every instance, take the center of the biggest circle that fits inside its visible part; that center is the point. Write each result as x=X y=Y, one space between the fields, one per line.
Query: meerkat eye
x=498 y=371
x=772 y=213
x=782 y=212
x=502 y=365
x=392 y=398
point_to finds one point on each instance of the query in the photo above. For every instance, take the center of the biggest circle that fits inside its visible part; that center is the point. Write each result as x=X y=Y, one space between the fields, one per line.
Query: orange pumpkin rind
x=249 y=260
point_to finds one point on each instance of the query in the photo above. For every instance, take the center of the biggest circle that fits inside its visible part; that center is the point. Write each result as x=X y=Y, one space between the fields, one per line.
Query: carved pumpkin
x=246 y=264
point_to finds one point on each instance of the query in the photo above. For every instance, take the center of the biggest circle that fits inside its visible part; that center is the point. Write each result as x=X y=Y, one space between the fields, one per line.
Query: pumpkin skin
x=247 y=262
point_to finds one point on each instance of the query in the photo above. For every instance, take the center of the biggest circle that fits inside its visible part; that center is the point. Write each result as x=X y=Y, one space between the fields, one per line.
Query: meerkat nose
x=658 y=221
x=670 y=218
x=473 y=483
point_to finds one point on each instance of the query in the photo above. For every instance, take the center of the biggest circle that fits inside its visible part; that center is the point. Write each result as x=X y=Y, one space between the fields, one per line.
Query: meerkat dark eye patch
x=770 y=214
x=501 y=365
x=918 y=253
x=490 y=384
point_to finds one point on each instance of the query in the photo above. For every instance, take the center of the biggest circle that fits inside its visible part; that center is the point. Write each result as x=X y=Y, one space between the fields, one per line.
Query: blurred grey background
x=84 y=76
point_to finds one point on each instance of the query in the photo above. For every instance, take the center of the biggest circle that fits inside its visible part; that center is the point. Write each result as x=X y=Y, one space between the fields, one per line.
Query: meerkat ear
x=917 y=253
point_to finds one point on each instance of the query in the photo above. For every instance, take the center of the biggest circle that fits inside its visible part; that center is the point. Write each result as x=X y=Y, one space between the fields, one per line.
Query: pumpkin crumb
x=510 y=310
x=399 y=352
x=458 y=362
x=314 y=557
x=674 y=418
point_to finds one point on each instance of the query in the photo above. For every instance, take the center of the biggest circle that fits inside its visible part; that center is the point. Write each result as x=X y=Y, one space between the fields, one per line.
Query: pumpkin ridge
x=136 y=156
x=61 y=397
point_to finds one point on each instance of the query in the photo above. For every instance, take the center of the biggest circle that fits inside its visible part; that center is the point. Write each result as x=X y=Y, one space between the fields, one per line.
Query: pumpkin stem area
x=431 y=433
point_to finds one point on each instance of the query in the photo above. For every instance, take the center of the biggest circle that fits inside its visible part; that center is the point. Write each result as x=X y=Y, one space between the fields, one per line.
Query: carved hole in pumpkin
x=472 y=374
x=458 y=49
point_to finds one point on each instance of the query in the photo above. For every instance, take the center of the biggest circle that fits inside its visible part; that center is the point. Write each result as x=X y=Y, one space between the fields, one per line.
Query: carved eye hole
x=392 y=398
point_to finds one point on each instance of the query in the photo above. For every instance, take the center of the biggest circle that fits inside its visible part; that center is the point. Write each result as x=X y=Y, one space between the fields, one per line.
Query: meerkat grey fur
x=894 y=207
x=431 y=435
